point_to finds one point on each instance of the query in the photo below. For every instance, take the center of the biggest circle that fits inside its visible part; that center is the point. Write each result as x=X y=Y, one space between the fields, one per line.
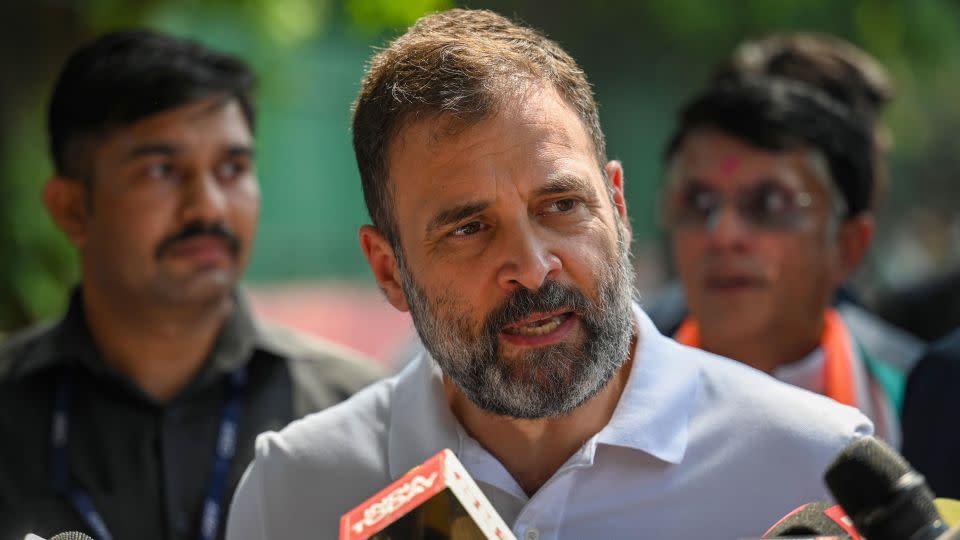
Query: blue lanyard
x=216 y=485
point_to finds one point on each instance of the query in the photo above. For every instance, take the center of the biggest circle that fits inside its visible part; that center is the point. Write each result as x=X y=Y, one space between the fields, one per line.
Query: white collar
x=652 y=415
x=659 y=397
x=806 y=373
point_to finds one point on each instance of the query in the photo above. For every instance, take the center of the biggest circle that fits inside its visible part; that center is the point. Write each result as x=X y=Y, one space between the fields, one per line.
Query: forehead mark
x=730 y=164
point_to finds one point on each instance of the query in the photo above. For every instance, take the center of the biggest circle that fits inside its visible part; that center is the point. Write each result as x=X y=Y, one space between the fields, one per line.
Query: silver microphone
x=71 y=535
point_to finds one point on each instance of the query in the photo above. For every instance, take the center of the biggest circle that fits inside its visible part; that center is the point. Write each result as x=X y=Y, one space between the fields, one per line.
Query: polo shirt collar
x=652 y=416
x=421 y=423
x=658 y=400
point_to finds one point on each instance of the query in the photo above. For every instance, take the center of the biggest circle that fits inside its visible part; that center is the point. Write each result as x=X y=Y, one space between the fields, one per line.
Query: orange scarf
x=837 y=348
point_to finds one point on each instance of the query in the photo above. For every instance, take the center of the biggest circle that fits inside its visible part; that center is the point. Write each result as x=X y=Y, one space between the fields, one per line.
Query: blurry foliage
x=644 y=59
x=376 y=15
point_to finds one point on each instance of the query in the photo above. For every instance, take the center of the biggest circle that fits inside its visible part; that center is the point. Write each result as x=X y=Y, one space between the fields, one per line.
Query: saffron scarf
x=838 y=353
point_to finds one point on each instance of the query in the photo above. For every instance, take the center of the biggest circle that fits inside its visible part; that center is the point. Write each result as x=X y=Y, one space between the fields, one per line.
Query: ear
x=67 y=203
x=383 y=262
x=853 y=240
x=614 y=170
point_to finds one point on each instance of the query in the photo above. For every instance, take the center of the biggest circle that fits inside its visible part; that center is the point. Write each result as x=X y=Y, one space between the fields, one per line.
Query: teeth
x=538 y=328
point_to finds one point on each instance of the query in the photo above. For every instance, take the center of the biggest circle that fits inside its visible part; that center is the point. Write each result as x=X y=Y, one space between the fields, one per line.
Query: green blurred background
x=644 y=59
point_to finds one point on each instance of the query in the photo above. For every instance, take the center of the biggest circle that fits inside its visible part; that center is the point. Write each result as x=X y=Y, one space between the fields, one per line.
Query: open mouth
x=539 y=326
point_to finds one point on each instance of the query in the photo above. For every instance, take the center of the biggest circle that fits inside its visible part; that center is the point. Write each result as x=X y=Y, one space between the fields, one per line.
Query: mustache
x=523 y=302
x=198 y=229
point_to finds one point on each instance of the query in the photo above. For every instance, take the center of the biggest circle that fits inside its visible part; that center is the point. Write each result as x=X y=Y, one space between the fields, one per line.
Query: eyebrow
x=456 y=213
x=152 y=149
x=564 y=183
x=167 y=149
x=237 y=150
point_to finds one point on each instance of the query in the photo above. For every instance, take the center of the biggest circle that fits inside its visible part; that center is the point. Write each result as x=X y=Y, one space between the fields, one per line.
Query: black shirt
x=931 y=441
x=146 y=464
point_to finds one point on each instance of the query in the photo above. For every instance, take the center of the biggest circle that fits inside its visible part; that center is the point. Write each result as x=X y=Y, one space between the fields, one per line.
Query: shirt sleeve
x=246 y=520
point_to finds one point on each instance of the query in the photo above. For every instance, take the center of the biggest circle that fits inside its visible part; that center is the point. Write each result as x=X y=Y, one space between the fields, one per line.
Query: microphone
x=69 y=535
x=436 y=500
x=886 y=498
x=814 y=519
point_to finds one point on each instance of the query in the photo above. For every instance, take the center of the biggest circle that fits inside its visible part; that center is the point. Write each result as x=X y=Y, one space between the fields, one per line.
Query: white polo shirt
x=698 y=447
x=871 y=398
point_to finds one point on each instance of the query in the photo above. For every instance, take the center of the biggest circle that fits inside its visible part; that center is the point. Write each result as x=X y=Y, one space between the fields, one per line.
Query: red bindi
x=729 y=164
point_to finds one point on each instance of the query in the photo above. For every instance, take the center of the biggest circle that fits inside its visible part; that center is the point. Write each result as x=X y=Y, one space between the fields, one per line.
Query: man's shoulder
x=304 y=477
x=753 y=398
x=945 y=352
x=23 y=349
x=312 y=358
x=883 y=341
x=929 y=411
x=939 y=368
x=333 y=434
x=759 y=424
x=352 y=438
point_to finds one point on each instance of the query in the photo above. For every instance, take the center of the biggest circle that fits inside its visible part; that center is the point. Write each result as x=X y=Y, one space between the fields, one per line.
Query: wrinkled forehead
x=533 y=116
x=517 y=98
x=505 y=158
x=448 y=120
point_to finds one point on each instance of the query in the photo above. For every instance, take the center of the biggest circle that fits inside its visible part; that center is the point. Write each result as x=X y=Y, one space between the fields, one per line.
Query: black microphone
x=814 y=519
x=884 y=496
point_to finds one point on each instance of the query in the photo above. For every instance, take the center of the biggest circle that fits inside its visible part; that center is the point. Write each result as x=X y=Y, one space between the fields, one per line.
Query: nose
x=726 y=227
x=528 y=260
x=203 y=199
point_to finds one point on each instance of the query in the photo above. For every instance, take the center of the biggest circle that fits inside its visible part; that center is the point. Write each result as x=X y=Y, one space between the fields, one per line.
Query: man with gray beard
x=548 y=381
x=499 y=223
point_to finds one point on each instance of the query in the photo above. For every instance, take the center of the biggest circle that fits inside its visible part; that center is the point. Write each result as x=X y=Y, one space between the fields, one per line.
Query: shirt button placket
x=531 y=534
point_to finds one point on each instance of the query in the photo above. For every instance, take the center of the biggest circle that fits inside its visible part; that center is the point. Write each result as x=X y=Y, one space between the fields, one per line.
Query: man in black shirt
x=135 y=415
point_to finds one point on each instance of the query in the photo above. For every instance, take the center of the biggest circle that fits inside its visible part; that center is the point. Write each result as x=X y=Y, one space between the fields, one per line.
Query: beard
x=543 y=382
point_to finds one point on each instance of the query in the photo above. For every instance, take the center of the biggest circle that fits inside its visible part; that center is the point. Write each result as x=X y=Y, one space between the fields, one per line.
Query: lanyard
x=216 y=484
x=837 y=350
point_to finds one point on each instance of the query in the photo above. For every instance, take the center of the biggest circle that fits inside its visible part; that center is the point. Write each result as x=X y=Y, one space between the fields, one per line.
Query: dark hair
x=837 y=67
x=845 y=72
x=461 y=63
x=781 y=114
x=125 y=76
